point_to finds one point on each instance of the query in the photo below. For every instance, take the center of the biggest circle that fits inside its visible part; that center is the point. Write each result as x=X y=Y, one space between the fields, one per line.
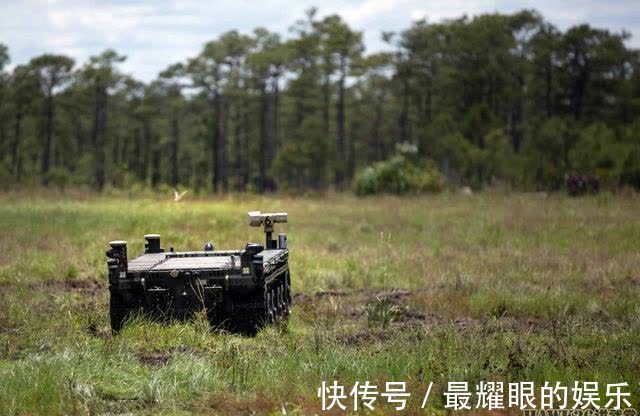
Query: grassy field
x=518 y=287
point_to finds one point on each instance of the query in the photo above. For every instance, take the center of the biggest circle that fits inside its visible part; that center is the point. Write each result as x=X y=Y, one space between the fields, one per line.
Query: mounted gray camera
x=268 y=219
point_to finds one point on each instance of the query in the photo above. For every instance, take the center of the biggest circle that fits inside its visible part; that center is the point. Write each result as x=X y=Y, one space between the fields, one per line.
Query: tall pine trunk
x=377 y=144
x=136 y=155
x=403 y=120
x=246 y=163
x=15 y=150
x=517 y=115
x=340 y=141
x=77 y=130
x=239 y=149
x=46 y=155
x=224 y=167
x=276 y=114
x=548 y=100
x=146 y=146
x=264 y=146
x=215 y=145
x=175 y=132
x=155 y=165
x=98 y=133
x=326 y=91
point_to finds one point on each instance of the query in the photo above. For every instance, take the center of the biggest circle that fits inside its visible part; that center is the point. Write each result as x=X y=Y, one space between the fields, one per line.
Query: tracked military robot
x=239 y=290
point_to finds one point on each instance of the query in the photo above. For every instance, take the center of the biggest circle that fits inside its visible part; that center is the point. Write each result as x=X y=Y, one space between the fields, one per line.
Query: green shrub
x=291 y=166
x=499 y=162
x=630 y=174
x=59 y=177
x=84 y=170
x=545 y=153
x=6 y=178
x=598 y=152
x=403 y=173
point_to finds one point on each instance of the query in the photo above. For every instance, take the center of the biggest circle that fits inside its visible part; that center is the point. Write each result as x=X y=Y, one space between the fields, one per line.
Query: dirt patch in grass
x=89 y=286
x=394 y=295
x=153 y=360
x=634 y=280
x=347 y=315
x=364 y=337
x=261 y=403
x=304 y=298
x=352 y=304
x=411 y=317
x=97 y=331
x=231 y=404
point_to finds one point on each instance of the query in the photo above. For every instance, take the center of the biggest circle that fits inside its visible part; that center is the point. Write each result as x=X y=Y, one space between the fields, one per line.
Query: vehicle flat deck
x=145 y=262
x=184 y=263
x=221 y=260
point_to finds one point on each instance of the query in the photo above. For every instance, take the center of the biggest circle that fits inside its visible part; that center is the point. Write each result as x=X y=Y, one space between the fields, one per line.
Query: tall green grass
x=508 y=287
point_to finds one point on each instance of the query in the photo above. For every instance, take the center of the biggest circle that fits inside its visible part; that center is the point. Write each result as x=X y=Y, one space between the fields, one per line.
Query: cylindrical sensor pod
x=118 y=243
x=152 y=244
x=118 y=259
x=282 y=240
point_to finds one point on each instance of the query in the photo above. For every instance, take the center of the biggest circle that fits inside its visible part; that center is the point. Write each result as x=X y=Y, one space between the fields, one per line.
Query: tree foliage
x=494 y=99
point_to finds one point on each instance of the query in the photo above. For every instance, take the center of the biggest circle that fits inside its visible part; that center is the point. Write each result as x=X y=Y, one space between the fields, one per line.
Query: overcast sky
x=155 y=34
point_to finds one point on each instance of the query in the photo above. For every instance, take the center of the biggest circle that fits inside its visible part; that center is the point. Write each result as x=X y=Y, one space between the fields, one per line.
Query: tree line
x=497 y=98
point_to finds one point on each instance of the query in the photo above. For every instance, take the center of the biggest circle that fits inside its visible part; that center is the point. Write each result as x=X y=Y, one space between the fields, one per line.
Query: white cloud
x=357 y=14
x=418 y=14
